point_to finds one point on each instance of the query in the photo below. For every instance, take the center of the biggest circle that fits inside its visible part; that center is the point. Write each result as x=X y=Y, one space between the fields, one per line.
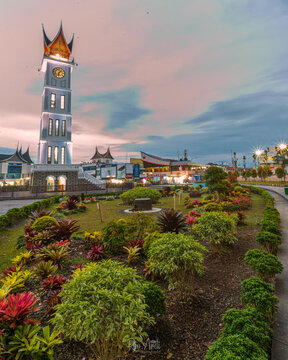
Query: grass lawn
x=111 y=210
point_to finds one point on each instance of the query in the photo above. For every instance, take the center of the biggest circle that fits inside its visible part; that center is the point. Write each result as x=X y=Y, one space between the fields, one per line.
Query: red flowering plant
x=136 y=242
x=194 y=204
x=96 y=253
x=89 y=199
x=191 y=220
x=194 y=213
x=243 y=202
x=79 y=266
x=14 y=309
x=53 y=283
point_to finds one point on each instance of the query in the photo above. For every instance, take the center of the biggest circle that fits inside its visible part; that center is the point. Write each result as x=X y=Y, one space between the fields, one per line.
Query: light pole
x=257 y=154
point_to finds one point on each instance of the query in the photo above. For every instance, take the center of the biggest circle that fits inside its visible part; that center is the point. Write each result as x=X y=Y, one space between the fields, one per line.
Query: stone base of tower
x=63 y=178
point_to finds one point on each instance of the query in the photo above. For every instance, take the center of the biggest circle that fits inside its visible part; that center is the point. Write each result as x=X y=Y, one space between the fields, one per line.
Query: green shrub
x=154 y=299
x=104 y=306
x=216 y=228
x=269 y=241
x=213 y=207
x=114 y=237
x=43 y=222
x=271 y=226
x=265 y=264
x=259 y=294
x=271 y=213
x=176 y=257
x=140 y=192
x=248 y=322
x=139 y=224
x=235 y=347
x=149 y=239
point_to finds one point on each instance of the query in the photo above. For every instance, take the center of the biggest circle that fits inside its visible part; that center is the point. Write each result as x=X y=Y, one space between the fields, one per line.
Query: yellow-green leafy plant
x=133 y=252
x=14 y=281
x=23 y=257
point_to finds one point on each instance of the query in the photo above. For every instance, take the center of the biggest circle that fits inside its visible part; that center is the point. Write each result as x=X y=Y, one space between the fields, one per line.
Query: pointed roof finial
x=58 y=48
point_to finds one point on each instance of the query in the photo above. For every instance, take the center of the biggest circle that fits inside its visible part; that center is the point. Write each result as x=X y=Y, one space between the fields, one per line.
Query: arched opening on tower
x=62 y=183
x=50 y=183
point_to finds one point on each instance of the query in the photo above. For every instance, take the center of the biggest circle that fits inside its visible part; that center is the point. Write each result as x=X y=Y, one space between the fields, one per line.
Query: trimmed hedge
x=246 y=334
x=16 y=214
x=235 y=347
x=140 y=192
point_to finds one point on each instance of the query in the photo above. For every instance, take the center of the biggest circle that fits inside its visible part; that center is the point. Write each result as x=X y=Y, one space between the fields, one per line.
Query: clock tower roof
x=58 y=48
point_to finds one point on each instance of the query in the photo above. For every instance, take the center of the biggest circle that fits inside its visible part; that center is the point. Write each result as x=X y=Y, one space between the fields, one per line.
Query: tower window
x=49 y=157
x=57 y=127
x=62 y=155
x=62 y=103
x=56 y=154
x=50 y=127
x=53 y=100
x=63 y=132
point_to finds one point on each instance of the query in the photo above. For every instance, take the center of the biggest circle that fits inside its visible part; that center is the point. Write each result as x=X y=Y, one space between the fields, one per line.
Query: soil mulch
x=193 y=319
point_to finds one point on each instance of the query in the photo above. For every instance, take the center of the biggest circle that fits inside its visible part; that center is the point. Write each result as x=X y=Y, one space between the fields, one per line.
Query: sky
x=159 y=76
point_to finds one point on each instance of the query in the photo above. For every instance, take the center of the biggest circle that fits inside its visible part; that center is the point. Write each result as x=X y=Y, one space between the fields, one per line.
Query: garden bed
x=193 y=319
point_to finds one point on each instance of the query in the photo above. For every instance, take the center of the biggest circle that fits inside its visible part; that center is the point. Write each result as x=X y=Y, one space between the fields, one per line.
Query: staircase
x=91 y=179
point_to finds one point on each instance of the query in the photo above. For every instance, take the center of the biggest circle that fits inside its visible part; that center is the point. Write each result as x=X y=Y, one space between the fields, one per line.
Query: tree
x=244 y=161
x=244 y=174
x=280 y=172
x=215 y=181
x=282 y=158
x=254 y=173
x=268 y=171
x=261 y=172
x=248 y=173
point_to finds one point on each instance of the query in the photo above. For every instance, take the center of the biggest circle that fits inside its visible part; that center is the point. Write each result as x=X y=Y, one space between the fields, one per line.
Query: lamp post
x=257 y=154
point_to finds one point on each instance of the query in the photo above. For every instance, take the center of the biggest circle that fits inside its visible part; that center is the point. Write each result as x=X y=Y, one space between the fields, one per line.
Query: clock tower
x=55 y=145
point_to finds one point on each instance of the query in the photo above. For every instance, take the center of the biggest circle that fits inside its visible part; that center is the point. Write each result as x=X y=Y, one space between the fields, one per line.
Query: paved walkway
x=280 y=333
x=5 y=205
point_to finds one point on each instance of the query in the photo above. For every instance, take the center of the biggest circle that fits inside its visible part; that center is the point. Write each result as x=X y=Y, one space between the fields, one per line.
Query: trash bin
x=286 y=191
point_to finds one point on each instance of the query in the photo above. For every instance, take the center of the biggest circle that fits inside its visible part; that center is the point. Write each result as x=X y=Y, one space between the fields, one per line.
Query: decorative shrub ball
x=140 y=192
x=43 y=222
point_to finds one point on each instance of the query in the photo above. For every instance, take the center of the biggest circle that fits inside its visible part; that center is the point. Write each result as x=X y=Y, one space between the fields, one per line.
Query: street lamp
x=257 y=153
x=282 y=146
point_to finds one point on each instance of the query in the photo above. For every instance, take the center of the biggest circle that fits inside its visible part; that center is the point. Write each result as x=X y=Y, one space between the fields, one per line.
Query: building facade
x=55 y=143
x=169 y=171
x=16 y=168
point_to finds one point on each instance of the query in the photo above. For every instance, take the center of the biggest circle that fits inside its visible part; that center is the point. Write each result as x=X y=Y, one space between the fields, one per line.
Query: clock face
x=58 y=72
